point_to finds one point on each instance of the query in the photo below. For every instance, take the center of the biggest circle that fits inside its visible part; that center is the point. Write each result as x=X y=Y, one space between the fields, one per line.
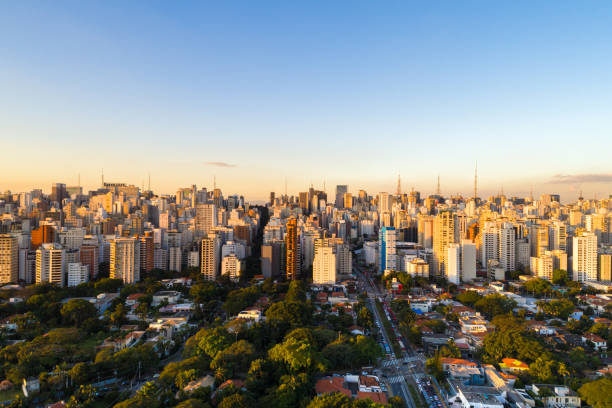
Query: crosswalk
x=393 y=362
x=396 y=379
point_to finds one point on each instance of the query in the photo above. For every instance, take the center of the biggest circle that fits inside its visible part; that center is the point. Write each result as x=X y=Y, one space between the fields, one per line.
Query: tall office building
x=125 y=259
x=210 y=256
x=45 y=234
x=9 y=258
x=387 y=246
x=304 y=202
x=292 y=245
x=206 y=219
x=384 y=202
x=348 y=200
x=340 y=190
x=444 y=235
x=50 y=264
x=584 y=259
x=489 y=243
x=58 y=192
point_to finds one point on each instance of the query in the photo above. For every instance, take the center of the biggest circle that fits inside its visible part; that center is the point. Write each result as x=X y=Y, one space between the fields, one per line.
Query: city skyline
x=353 y=95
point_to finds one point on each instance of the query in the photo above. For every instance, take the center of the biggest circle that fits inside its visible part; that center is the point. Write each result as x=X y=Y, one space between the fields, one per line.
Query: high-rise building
x=9 y=258
x=77 y=273
x=271 y=258
x=340 y=190
x=542 y=266
x=210 y=256
x=58 y=192
x=605 y=267
x=232 y=267
x=425 y=227
x=468 y=261
x=348 y=200
x=324 y=266
x=206 y=219
x=45 y=234
x=452 y=267
x=557 y=236
x=147 y=252
x=50 y=264
x=507 y=247
x=417 y=267
x=292 y=245
x=125 y=259
x=384 y=202
x=444 y=235
x=584 y=259
x=387 y=246
x=90 y=258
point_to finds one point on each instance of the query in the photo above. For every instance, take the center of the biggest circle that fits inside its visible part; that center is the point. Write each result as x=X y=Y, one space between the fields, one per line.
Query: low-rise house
x=554 y=396
x=168 y=326
x=541 y=328
x=168 y=296
x=30 y=386
x=513 y=366
x=207 y=381
x=10 y=323
x=599 y=344
x=251 y=313
x=473 y=324
x=354 y=386
x=132 y=299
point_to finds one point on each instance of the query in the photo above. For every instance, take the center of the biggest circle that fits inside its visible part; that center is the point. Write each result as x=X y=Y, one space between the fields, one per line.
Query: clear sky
x=348 y=92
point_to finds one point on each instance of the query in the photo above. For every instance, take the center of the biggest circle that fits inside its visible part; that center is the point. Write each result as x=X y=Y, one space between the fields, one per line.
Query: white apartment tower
x=453 y=264
x=50 y=264
x=507 y=247
x=584 y=259
x=324 y=266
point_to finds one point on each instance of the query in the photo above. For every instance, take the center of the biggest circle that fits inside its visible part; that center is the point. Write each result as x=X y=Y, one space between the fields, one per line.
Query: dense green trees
x=538 y=287
x=240 y=299
x=561 y=308
x=510 y=339
x=494 y=304
x=597 y=394
x=338 y=400
x=233 y=360
x=77 y=311
x=403 y=312
x=468 y=298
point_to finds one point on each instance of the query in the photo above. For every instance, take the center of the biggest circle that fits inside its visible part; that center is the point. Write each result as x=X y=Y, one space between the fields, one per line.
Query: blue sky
x=347 y=92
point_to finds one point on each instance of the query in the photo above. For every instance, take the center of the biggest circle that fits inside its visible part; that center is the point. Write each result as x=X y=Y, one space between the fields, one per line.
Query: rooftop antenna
x=476 y=181
x=531 y=193
x=399 y=185
x=79 y=185
x=324 y=189
x=438 y=188
x=285 y=186
x=103 y=178
x=149 y=189
x=215 y=181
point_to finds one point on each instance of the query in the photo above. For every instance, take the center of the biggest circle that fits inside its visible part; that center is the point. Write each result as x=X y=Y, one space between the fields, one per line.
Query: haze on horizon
x=346 y=92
